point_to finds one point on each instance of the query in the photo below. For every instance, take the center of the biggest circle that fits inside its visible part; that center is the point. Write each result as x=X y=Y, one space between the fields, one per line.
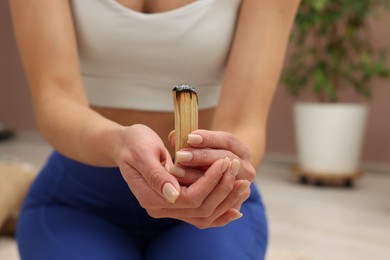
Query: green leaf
x=365 y=59
x=318 y=5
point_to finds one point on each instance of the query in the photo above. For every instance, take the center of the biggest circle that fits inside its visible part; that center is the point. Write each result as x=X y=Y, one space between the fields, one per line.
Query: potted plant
x=331 y=51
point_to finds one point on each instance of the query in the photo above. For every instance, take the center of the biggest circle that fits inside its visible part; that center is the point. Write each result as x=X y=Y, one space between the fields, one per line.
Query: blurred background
x=306 y=221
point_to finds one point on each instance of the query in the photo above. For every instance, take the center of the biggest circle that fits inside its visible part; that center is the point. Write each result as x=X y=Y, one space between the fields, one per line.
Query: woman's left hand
x=208 y=147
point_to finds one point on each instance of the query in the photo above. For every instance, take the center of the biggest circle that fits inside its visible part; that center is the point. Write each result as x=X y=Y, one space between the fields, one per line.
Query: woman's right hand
x=144 y=162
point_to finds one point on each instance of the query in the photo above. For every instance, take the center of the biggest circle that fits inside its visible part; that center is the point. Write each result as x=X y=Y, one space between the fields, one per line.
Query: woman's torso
x=93 y=61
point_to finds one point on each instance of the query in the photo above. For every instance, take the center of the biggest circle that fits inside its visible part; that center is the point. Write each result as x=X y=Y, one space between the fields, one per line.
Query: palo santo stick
x=185 y=100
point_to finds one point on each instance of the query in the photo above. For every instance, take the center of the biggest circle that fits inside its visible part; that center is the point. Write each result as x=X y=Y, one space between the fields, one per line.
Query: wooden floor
x=306 y=222
x=325 y=223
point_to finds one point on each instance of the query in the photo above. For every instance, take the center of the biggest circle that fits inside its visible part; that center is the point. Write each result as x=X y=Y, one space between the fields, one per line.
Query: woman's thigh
x=244 y=239
x=58 y=232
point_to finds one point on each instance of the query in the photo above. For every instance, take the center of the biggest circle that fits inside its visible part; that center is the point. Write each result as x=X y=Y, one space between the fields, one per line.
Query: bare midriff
x=160 y=122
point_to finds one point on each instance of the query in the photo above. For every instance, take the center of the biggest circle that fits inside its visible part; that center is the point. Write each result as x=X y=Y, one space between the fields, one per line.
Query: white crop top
x=133 y=60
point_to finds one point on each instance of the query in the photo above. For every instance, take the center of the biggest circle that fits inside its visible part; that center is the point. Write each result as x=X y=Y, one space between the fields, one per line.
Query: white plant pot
x=329 y=136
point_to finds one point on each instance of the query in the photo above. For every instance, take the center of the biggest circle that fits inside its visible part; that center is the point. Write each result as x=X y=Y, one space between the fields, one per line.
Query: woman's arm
x=253 y=71
x=47 y=44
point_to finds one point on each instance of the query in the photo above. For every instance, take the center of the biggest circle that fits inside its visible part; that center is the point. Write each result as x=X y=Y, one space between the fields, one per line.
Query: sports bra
x=133 y=60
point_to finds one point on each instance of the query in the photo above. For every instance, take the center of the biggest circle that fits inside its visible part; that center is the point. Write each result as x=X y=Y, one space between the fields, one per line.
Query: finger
x=217 y=202
x=185 y=175
x=226 y=218
x=218 y=140
x=168 y=163
x=157 y=177
x=226 y=194
x=234 y=212
x=202 y=157
x=194 y=195
x=205 y=157
x=190 y=197
x=147 y=197
x=229 y=216
x=237 y=194
x=222 y=216
x=242 y=199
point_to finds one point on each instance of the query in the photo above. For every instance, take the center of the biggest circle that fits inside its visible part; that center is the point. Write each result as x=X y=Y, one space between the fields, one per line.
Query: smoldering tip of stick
x=184 y=88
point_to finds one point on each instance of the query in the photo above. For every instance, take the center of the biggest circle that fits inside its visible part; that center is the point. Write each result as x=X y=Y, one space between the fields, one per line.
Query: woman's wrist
x=115 y=139
x=101 y=141
x=121 y=144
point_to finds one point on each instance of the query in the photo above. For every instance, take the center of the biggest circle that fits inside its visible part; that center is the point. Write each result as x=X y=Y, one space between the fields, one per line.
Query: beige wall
x=15 y=105
x=16 y=110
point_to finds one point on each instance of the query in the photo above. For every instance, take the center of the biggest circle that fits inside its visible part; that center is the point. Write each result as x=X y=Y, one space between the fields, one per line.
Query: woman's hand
x=206 y=148
x=211 y=200
x=144 y=162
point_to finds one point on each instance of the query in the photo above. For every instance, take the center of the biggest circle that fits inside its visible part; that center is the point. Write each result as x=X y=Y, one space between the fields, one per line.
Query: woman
x=106 y=193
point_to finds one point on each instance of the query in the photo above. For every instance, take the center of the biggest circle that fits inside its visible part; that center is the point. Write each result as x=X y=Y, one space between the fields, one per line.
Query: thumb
x=170 y=192
x=160 y=180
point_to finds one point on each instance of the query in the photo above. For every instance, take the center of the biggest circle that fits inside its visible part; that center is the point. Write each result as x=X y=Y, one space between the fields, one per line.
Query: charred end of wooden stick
x=184 y=88
x=185 y=101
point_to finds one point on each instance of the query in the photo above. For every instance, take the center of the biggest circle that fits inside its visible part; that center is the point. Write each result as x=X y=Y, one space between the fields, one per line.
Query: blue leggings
x=77 y=211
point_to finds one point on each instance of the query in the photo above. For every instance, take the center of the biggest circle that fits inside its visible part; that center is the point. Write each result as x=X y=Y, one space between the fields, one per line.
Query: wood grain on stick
x=185 y=101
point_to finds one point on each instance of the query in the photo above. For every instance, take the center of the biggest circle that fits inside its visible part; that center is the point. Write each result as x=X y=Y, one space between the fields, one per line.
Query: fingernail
x=237 y=216
x=194 y=139
x=170 y=193
x=225 y=164
x=244 y=186
x=183 y=156
x=177 y=171
x=235 y=167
